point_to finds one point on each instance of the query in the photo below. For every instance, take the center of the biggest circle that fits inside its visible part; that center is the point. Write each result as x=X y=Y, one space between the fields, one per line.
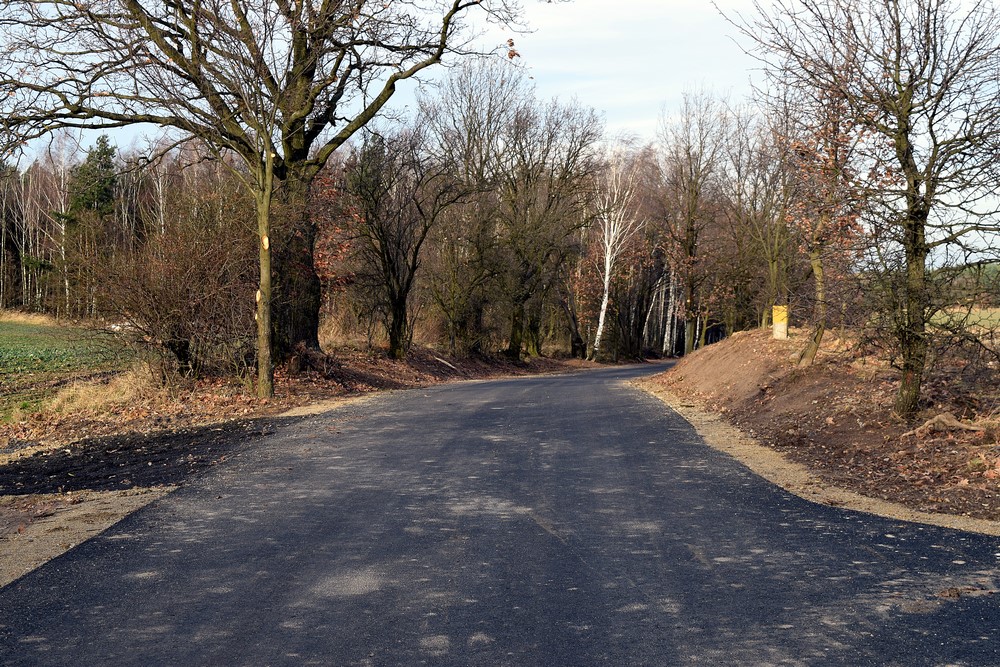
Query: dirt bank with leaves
x=827 y=432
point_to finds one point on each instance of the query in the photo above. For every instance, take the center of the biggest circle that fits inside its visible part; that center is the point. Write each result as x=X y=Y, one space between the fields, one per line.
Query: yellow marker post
x=779 y=316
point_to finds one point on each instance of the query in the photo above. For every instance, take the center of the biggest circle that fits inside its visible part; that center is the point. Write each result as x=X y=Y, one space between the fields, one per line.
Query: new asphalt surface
x=566 y=520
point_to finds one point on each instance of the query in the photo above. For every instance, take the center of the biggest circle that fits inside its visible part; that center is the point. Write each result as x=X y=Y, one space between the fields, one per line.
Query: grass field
x=978 y=319
x=985 y=318
x=37 y=357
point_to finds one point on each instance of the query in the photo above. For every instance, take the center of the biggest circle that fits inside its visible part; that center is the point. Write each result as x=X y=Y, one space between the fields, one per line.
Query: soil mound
x=835 y=417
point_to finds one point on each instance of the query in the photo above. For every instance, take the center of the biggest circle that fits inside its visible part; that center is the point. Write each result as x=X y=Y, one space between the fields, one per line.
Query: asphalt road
x=545 y=521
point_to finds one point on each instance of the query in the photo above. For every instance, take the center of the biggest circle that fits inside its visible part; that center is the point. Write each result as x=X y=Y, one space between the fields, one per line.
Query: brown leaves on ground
x=836 y=418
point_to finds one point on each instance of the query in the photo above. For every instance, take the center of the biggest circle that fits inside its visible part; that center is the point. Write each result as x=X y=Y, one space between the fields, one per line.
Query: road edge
x=795 y=477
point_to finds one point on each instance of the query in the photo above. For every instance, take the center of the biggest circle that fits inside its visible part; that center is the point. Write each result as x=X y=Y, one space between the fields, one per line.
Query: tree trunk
x=913 y=336
x=690 y=335
x=690 y=318
x=601 y=317
x=533 y=336
x=670 y=335
x=605 y=297
x=654 y=318
x=645 y=336
x=808 y=354
x=265 y=364
x=398 y=329
x=516 y=339
x=578 y=350
x=181 y=349
x=297 y=293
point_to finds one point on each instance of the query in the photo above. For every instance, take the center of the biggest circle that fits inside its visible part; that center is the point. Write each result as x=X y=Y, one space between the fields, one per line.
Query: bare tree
x=544 y=182
x=281 y=84
x=527 y=169
x=465 y=121
x=919 y=78
x=691 y=146
x=756 y=188
x=615 y=224
x=401 y=193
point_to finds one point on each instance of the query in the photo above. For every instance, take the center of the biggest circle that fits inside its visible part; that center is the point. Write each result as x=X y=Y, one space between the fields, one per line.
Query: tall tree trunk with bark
x=808 y=353
x=399 y=333
x=297 y=290
x=690 y=318
x=516 y=339
x=265 y=365
x=912 y=333
x=602 y=313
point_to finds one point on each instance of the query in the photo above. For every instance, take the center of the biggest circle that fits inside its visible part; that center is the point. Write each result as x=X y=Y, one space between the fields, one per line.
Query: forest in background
x=494 y=222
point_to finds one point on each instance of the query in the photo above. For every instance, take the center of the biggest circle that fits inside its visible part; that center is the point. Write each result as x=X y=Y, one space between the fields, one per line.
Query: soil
x=833 y=423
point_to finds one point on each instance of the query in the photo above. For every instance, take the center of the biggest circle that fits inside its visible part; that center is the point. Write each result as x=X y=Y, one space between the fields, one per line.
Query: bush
x=187 y=297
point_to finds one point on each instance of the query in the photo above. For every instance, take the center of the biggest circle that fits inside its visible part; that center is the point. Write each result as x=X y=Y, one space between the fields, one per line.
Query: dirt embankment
x=828 y=432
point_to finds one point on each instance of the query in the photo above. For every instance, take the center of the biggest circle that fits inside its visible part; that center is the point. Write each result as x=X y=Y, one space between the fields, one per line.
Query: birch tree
x=615 y=225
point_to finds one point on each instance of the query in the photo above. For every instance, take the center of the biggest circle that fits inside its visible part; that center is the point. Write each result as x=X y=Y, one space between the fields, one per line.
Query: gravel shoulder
x=38 y=528
x=796 y=477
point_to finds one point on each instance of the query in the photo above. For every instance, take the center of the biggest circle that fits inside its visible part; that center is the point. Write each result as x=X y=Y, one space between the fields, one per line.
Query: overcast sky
x=630 y=58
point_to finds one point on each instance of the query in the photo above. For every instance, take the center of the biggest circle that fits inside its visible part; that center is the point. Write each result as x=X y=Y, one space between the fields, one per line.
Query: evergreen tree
x=93 y=183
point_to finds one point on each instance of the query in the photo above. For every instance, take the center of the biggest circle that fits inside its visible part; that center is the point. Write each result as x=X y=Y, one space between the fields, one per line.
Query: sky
x=633 y=59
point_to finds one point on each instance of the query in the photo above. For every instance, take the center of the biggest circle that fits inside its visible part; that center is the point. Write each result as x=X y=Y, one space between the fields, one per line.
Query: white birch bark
x=616 y=225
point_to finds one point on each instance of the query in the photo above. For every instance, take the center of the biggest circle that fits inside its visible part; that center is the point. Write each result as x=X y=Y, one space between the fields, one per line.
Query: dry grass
x=133 y=387
x=331 y=333
x=20 y=317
